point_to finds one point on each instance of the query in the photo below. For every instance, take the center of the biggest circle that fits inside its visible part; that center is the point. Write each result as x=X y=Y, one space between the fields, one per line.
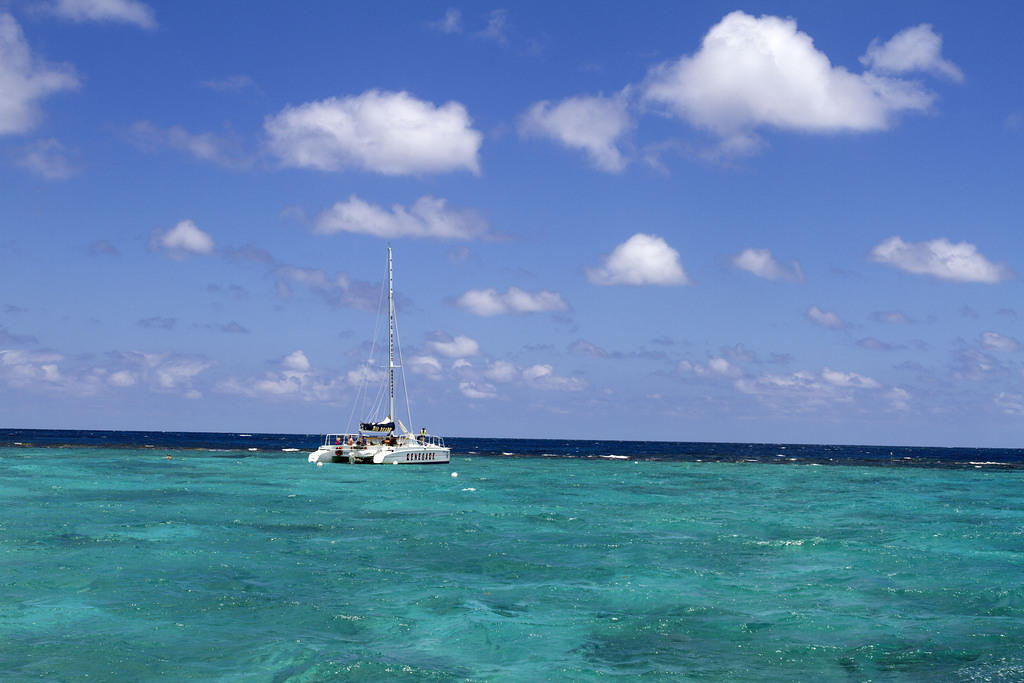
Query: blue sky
x=793 y=222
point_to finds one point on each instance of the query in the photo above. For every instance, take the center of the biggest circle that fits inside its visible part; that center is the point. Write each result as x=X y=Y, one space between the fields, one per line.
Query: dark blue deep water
x=265 y=445
x=132 y=556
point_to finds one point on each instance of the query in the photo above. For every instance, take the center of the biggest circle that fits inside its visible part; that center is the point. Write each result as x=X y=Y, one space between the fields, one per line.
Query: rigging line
x=405 y=385
x=361 y=397
x=378 y=402
x=355 y=401
x=376 y=325
x=361 y=394
x=375 y=406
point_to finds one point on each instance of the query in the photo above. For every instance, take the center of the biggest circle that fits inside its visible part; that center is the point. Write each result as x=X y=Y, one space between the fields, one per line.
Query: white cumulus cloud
x=1010 y=404
x=295 y=378
x=495 y=29
x=450 y=23
x=480 y=383
x=425 y=365
x=392 y=133
x=24 y=80
x=848 y=379
x=477 y=390
x=459 y=347
x=224 y=149
x=364 y=374
x=47 y=371
x=47 y=159
x=175 y=373
x=825 y=318
x=999 y=342
x=591 y=124
x=940 y=258
x=761 y=263
x=762 y=71
x=917 y=48
x=640 y=260
x=183 y=238
x=121 y=378
x=537 y=371
x=716 y=366
x=807 y=391
x=122 y=11
x=899 y=399
x=501 y=371
x=542 y=376
x=488 y=302
x=296 y=361
x=29 y=368
x=161 y=372
x=427 y=217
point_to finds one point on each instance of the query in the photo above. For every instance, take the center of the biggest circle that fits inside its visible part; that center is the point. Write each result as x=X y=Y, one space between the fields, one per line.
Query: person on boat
x=361 y=443
x=351 y=441
x=423 y=434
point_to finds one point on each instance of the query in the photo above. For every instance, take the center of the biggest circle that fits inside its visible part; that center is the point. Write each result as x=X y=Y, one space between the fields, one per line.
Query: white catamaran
x=386 y=441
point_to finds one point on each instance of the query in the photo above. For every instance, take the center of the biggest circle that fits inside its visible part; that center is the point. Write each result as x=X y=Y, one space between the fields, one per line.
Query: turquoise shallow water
x=123 y=565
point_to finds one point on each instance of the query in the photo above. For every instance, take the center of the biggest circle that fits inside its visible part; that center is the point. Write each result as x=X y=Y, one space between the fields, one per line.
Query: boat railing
x=339 y=439
x=362 y=440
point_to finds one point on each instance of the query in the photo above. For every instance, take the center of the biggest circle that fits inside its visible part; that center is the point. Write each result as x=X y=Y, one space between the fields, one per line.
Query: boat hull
x=382 y=455
x=387 y=441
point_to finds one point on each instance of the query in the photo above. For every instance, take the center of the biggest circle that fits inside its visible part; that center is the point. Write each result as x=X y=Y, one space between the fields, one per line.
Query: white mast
x=391 y=341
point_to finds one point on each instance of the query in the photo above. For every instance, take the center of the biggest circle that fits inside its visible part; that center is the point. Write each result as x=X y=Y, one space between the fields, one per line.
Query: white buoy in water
x=319 y=464
x=455 y=474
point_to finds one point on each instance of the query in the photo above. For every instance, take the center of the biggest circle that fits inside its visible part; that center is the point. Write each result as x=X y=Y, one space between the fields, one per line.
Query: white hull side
x=323 y=455
x=383 y=455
